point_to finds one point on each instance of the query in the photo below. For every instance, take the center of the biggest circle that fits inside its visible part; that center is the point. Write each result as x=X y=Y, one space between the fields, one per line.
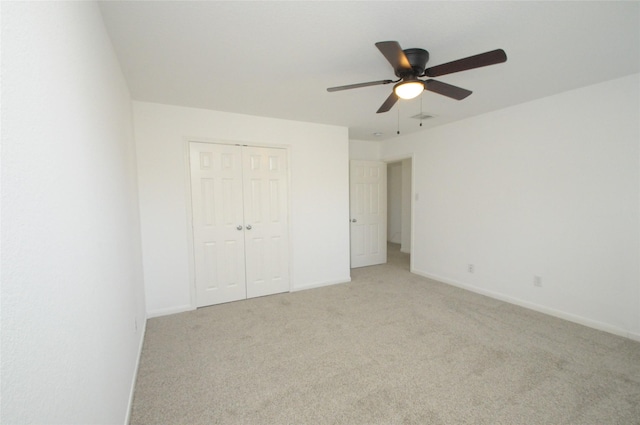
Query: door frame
x=189 y=209
x=412 y=157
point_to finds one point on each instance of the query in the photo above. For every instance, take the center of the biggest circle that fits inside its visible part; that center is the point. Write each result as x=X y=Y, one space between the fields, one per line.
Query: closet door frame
x=189 y=210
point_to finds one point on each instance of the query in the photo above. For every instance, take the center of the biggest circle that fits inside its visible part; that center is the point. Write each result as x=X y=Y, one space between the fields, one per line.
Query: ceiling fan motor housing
x=418 y=59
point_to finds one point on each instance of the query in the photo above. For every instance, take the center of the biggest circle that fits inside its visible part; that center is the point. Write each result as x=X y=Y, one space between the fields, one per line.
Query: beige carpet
x=388 y=348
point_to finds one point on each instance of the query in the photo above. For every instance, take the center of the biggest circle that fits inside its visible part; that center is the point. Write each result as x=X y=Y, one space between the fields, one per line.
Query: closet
x=240 y=221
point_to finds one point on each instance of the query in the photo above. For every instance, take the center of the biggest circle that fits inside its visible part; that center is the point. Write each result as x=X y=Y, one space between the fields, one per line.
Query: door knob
x=248 y=227
x=239 y=227
x=353 y=220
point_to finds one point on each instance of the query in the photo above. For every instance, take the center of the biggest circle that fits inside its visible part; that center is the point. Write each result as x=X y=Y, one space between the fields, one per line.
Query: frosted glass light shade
x=409 y=90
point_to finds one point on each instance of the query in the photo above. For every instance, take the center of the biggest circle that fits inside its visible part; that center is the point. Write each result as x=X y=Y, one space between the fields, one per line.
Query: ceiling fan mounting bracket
x=418 y=59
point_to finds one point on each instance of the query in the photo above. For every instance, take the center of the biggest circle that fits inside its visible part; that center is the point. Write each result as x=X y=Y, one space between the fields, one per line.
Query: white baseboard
x=168 y=311
x=183 y=308
x=321 y=284
x=532 y=306
x=135 y=374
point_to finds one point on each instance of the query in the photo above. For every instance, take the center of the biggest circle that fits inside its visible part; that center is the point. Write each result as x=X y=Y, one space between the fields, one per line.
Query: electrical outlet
x=537 y=281
x=471 y=268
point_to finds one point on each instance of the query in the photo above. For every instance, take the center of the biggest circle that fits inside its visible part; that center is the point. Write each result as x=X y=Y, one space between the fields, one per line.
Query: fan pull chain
x=398 y=132
x=421 y=114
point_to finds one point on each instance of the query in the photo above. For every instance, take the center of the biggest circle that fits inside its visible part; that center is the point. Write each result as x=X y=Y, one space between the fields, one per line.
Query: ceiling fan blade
x=483 y=59
x=394 y=54
x=388 y=104
x=358 y=85
x=445 y=89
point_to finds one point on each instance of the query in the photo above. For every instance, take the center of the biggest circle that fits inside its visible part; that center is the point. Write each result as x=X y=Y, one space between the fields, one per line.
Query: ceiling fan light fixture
x=408 y=89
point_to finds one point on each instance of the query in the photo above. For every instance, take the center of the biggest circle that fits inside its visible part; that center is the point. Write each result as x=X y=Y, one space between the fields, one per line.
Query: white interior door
x=266 y=218
x=218 y=224
x=368 y=205
x=240 y=222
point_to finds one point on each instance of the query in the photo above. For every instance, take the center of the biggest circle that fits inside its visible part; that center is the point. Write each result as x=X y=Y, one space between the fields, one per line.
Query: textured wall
x=406 y=205
x=365 y=150
x=394 y=202
x=548 y=188
x=72 y=293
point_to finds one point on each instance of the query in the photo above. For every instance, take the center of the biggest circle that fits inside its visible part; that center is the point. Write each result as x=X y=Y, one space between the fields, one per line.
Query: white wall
x=364 y=150
x=406 y=206
x=399 y=204
x=72 y=286
x=549 y=188
x=319 y=195
x=394 y=202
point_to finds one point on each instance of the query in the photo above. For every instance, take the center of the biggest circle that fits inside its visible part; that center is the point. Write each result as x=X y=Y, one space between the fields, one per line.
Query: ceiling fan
x=410 y=64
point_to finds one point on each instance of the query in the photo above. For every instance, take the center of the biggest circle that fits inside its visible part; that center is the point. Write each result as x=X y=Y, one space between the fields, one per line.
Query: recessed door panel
x=274 y=201
x=207 y=197
x=210 y=280
x=274 y=258
x=254 y=212
x=232 y=275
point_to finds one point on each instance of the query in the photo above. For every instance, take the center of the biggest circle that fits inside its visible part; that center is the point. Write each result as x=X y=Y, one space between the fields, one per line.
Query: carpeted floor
x=388 y=348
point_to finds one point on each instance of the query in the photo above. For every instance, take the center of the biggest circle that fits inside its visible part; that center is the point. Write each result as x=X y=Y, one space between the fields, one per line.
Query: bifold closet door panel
x=266 y=218
x=218 y=224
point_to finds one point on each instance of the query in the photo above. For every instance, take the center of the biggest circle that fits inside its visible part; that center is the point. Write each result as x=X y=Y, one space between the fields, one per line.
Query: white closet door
x=266 y=219
x=216 y=193
x=368 y=205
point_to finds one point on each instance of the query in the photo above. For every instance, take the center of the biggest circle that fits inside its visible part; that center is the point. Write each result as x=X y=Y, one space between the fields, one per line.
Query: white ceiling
x=276 y=59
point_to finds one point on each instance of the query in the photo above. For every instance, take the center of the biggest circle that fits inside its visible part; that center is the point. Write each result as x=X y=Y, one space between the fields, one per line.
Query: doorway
x=399 y=197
